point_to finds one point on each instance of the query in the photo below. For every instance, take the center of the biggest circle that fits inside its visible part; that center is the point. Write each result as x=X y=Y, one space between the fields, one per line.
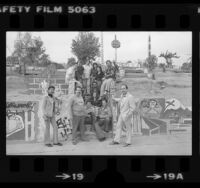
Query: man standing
x=87 y=70
x=49 y=111
x=77 y=114
x=127 y=105
x=79 y=72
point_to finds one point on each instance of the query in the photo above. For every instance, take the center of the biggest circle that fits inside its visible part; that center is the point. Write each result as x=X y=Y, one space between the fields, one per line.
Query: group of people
x=93 y=105
x=94 y=78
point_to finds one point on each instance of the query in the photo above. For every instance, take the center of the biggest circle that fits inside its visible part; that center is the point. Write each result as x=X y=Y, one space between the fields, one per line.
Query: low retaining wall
x=34 y=84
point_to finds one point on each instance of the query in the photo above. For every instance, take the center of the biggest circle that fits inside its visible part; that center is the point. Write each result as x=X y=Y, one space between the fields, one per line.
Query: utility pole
x=115 y=44
x=115 y=51
x=102 y=49
x=149 y=46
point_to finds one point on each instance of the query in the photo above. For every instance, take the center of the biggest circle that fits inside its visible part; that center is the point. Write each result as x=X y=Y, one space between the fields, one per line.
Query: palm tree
x=168 y=57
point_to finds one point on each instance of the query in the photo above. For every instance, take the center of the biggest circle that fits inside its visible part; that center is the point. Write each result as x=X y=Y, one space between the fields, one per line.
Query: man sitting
x=94 y=119
x=104 y=115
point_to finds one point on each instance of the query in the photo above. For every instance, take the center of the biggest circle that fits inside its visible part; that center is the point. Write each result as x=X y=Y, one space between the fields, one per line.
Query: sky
x=134 y=45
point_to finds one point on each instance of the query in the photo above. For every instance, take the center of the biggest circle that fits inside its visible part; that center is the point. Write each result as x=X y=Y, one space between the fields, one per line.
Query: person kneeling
x=98 y=121
x=104 y=116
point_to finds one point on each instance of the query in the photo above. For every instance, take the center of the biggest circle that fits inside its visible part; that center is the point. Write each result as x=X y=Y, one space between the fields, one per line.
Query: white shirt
x=127 y=106
x=69 y=74
x=87 y=70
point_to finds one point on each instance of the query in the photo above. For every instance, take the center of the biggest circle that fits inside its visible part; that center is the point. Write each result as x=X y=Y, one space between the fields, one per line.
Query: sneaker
x=49 y=145
x=126 y=145
x=114 y=143
x=102 y=139
x=58 y=144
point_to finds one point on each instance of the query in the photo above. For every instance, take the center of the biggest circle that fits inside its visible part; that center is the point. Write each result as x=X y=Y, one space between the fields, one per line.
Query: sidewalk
x=173 y=144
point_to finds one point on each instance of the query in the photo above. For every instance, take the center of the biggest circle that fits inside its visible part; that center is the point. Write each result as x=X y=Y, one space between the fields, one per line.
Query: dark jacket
x=99 y=76
x=93 y=73
x=79 y=72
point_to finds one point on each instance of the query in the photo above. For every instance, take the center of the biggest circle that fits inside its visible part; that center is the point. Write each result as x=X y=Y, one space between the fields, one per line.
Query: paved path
x=173 y=144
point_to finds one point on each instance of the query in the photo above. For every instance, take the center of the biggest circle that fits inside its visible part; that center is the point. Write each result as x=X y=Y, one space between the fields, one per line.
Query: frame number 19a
x=167 y=176
x=173 y=176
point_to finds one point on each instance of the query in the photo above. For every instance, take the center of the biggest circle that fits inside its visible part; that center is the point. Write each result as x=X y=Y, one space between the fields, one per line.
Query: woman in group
x=109 y=82
x=93 y=73
x=99 y=76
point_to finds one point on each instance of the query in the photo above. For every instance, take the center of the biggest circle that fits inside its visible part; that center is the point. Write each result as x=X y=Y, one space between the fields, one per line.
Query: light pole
x=115 y=44
x=102 y=52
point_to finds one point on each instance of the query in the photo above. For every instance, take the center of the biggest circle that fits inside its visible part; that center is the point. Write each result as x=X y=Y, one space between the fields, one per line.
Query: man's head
x=104 y=101
x=78 y=91
x=51 y=90
x=89 y=103
x=94 y=65
x=124 y=89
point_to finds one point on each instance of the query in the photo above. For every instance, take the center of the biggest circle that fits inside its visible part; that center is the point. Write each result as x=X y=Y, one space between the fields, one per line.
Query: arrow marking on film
x=155 y=176
x=63 y=176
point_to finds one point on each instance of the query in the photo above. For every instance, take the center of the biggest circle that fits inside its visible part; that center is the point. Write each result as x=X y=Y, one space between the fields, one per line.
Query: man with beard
x=49 y=111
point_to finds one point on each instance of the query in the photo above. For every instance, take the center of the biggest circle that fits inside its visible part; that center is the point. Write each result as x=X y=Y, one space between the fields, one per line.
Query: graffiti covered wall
x=21 y=118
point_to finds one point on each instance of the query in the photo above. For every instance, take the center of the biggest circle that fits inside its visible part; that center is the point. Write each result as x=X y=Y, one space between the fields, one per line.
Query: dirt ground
x=172 y=144
x=176 y=85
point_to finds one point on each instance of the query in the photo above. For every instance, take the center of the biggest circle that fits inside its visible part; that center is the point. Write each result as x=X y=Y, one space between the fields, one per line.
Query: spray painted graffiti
x=64 y=127
x=20 y=120
x=152 y=107
x=20 y=106
x=14 y=123
x=158 y=115
x=177 y=112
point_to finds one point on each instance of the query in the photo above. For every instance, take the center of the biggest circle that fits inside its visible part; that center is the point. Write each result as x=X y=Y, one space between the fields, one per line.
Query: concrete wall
x=34 y=84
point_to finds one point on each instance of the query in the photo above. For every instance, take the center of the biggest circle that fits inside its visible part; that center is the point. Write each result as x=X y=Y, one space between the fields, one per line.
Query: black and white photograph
x=98 y=93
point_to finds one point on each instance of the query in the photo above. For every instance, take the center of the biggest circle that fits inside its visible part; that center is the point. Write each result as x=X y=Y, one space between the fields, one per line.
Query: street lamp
x=115 y=44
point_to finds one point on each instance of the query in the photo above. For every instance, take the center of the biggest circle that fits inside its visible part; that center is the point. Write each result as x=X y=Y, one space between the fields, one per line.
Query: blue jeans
x=52 y=121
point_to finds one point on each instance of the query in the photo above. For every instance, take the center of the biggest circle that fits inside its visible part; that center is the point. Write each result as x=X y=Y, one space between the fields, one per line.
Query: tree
x=151 y=62
x=187 y=67
x=29 y=50
x=49 y=71
x=162 y=66
x=86 y=47
x=71 y=61
x=168 y=57
x=11 y=61
x=44 y=60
